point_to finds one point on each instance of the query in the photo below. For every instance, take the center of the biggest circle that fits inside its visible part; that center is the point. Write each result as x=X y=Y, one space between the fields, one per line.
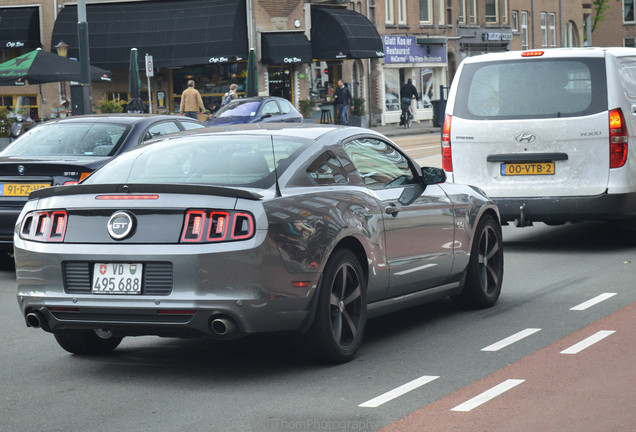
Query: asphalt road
x=414 y=370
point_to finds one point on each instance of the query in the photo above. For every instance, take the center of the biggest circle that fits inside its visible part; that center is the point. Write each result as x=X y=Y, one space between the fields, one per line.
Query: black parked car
x=256 y=110
x=65 y=151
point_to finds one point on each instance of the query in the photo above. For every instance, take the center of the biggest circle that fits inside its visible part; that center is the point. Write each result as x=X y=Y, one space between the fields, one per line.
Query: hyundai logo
x=120 y=225
x=525 y=137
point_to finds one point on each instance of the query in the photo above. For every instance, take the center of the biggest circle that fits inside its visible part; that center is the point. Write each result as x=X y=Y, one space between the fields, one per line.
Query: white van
x=546 y=134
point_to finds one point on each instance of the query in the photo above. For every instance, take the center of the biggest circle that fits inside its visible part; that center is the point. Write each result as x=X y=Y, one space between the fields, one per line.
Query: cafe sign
x=404 y=49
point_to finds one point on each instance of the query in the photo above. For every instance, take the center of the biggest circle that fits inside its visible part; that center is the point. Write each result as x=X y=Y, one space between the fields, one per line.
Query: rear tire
x=86 y=342
x=484 y=274
x=338 y=328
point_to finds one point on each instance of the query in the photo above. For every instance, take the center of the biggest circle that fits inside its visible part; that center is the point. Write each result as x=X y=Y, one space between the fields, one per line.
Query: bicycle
x=406 y=119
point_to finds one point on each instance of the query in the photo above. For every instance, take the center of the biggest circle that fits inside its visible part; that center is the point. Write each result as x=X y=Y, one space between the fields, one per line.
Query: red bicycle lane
x=586 y=388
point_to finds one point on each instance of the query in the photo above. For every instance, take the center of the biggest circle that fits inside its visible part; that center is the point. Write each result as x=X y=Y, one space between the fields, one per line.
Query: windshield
x=69 y=139
x=233 y=161
x=239 y=109
x=545 y=88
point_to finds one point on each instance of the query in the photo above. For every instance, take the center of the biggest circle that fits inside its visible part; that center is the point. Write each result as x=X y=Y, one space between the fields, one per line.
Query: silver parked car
x=251 y=229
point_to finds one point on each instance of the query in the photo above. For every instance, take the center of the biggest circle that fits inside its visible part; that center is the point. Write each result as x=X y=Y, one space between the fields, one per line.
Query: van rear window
x=532 y=88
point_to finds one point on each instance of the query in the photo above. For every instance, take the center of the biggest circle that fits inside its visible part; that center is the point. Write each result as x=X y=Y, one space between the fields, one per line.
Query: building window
x=524 y=29
x=544 y=30
x=472 y=11
x=461 y=14
x=390 y=16
x=441 y=12
x=629 y=42
x=504 y=11
x=552 y=23
x=628 y=10
x=371 y=11
x=515 y=21
x=22 y=104
x=449 y=12
x=491 y=12
x=402 y=12
x=426 y=12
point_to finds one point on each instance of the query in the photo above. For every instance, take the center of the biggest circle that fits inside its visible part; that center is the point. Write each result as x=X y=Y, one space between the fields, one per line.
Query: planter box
x=360 y=121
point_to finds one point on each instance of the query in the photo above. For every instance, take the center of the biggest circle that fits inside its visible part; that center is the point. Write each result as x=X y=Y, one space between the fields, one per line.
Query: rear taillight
x=44 y=226
x=618 y=138
x=532 y=53
x=208 y=226
x=447 y=160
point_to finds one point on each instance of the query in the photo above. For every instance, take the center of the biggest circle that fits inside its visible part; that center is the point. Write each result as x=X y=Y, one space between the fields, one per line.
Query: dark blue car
x=256 y=109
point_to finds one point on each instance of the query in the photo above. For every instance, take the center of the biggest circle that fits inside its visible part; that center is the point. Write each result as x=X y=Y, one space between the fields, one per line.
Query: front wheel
x=338 y=327
x=87 y=342
x=484 y=274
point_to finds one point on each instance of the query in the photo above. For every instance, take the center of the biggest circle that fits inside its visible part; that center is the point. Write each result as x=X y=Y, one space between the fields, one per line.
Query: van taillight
x=532 y=53
x=44 y=226
x=447 y=160
x=217 y=225
x=618 y=138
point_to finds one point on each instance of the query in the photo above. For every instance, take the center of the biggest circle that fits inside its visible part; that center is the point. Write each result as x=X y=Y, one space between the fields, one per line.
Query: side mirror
x=432 y=175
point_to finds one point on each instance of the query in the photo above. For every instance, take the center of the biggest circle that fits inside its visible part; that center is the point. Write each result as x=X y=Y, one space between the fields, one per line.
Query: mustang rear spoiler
x=145 y=188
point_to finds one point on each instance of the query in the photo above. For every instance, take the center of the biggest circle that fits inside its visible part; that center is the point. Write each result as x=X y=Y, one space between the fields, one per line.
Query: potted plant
x=358 y=114
x=306 y=108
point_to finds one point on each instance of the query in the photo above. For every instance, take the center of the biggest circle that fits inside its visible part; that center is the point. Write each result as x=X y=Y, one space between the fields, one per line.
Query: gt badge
x=120 y=225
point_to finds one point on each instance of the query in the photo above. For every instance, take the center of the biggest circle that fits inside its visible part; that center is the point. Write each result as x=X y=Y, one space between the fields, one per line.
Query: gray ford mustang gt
x=250 y=229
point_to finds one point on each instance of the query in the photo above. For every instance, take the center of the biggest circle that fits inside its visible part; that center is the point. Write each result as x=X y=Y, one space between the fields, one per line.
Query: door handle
x=392 y=210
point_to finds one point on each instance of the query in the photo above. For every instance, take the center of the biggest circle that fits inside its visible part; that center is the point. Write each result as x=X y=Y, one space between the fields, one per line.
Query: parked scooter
x=19 y=124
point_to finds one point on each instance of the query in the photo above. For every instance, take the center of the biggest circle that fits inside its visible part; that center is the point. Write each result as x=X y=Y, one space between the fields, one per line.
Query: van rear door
x=532 y=127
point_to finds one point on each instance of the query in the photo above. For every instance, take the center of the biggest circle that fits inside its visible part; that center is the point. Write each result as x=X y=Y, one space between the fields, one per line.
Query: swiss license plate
x=527 y=168
x=117 y=278
x=21 y=189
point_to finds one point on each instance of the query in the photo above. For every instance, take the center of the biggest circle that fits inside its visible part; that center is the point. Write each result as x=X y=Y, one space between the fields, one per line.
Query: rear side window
x=532 y=88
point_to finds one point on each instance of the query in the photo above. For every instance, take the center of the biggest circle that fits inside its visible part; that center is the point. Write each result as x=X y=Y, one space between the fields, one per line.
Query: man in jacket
x=343 y=100
x=191 y=102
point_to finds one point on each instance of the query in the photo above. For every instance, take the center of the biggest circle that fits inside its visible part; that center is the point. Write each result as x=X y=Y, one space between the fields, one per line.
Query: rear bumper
x=568 y=209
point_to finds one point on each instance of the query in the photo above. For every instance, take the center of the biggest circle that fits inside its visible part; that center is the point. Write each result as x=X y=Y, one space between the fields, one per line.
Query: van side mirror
x=432 y=175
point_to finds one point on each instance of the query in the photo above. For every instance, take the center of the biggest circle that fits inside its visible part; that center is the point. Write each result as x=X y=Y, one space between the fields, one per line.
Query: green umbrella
x=252 y=75
x=38 y=67
x=135 y=104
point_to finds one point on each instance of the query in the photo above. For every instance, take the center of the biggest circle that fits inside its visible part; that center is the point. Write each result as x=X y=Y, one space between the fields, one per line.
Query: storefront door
x=280 y=82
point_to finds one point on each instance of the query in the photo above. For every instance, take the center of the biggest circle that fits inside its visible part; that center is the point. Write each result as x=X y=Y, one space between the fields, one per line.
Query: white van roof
x=555 y=52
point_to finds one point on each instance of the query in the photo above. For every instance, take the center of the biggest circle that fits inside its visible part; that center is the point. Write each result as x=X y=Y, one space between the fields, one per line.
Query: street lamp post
x=84 y=57
x=62 y=50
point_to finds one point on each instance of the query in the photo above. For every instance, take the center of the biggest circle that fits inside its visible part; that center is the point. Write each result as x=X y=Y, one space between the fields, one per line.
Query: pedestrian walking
x=230 y=95
x=344 y=101
x=191 y=102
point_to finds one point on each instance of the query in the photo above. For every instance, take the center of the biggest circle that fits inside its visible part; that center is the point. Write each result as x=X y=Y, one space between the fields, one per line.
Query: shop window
x=392 y=89
x=23 y=104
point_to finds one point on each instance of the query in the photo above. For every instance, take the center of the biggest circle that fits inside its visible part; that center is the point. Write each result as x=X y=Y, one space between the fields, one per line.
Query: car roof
x=555 y=53
x=117 y=118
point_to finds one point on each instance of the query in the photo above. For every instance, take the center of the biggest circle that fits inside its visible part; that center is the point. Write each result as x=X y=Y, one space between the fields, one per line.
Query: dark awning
x=343 y=33
x=285 y=48
x=175 y=32
x=20 y=27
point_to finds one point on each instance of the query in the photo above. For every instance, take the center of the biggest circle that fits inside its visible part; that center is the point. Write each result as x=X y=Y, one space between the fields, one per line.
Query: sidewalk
x=417 y=128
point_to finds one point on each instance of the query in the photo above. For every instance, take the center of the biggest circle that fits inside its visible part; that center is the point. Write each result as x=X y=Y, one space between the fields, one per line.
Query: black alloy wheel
x=338 y=327
x=484 y=275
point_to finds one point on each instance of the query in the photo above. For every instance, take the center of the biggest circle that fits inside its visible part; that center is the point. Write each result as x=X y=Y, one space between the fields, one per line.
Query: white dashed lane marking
x=511 y=339
x=488 y=395
x=397 y=392
x=596 y=300
x=588 y=342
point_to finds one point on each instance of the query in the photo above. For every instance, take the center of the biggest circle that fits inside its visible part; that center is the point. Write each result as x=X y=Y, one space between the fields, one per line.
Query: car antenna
x=278 y=194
